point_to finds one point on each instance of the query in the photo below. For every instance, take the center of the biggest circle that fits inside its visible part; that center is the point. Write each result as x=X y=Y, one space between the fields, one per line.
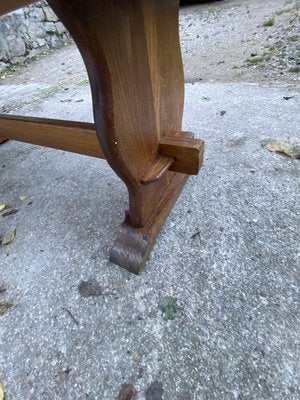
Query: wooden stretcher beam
x=77 y=137
x=7 y=6
x=179 y=153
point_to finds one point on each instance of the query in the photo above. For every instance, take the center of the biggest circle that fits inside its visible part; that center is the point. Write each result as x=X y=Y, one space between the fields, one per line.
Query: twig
x=71 y=315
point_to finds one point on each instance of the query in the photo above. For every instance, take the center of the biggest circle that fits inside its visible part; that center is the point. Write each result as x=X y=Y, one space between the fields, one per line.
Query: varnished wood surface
x=133 y=245
x=7 y=6
x=187 y=153
x=179 y=153
x=132 y=54
x=78 y=137
x=159 y=168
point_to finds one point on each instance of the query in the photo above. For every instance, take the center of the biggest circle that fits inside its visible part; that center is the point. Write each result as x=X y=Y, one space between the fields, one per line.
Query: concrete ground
x=228 y=253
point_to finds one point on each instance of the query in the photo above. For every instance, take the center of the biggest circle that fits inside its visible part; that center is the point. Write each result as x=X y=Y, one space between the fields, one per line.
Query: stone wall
x=29 y=31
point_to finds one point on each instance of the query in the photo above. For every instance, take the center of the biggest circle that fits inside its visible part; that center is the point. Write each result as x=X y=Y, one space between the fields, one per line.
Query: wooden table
x=132 y=55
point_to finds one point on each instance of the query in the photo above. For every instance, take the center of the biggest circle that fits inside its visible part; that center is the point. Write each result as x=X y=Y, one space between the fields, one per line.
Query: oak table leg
x=132 y=54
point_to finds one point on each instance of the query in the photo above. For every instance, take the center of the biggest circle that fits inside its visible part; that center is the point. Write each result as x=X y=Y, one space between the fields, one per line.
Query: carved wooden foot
x=133 y=245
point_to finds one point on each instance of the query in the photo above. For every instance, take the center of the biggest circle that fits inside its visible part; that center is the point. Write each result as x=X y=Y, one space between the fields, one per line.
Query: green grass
x=212 y=10
x=83 y=82
x=269 y=22
x=293 y=38
x=255 y=60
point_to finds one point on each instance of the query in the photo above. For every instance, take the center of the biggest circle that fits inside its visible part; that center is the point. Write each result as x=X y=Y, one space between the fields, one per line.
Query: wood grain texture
x=179 y=153
x=7 y=6
x=78 y=137
x=158 y=169
x=133 y=245
x=132 y=54
x=187 y=152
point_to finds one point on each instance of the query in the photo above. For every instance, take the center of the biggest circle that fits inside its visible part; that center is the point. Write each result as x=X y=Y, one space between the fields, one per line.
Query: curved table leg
x=132 y=54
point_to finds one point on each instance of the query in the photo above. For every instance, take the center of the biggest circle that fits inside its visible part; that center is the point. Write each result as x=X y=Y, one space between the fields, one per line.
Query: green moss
x=169 y=308
x=212 y=10
x=255 y=60
x=293 y=38
x=269 y=22
x=83 y=82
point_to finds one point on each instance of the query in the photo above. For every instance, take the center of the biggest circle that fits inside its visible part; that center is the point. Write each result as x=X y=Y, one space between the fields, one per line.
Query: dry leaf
x=10 y=212
x=1 y=392
x=9 y=237
x=24 y=197
x=4 y=306
x=2 y=207
x=281 y=147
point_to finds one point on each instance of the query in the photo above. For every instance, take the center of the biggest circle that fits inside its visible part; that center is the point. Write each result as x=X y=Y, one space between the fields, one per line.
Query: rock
x=17 y=47
x=3 y=66
x=3 y=49
x=36 y=30
x=34 y=52
x=55 y=41
x=60 y=28
x=50 y=27
x=32 y=27
x=136 y=357
x=37 y=13
x=50 y=15
x=18 y=60
x=41 y=42
x=127 y=392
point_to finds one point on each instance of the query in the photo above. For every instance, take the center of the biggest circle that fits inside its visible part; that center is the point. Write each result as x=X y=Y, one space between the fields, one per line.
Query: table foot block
x=133 y=245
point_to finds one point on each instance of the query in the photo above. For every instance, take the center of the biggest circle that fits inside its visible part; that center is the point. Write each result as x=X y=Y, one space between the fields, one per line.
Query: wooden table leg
x=132 y=54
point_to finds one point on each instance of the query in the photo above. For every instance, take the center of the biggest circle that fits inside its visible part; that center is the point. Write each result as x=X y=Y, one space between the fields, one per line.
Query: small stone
x=136 y=357
x=127 y=392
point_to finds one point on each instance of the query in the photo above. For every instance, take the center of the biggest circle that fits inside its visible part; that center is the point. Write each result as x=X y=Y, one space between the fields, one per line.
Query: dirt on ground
x=225 y=41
